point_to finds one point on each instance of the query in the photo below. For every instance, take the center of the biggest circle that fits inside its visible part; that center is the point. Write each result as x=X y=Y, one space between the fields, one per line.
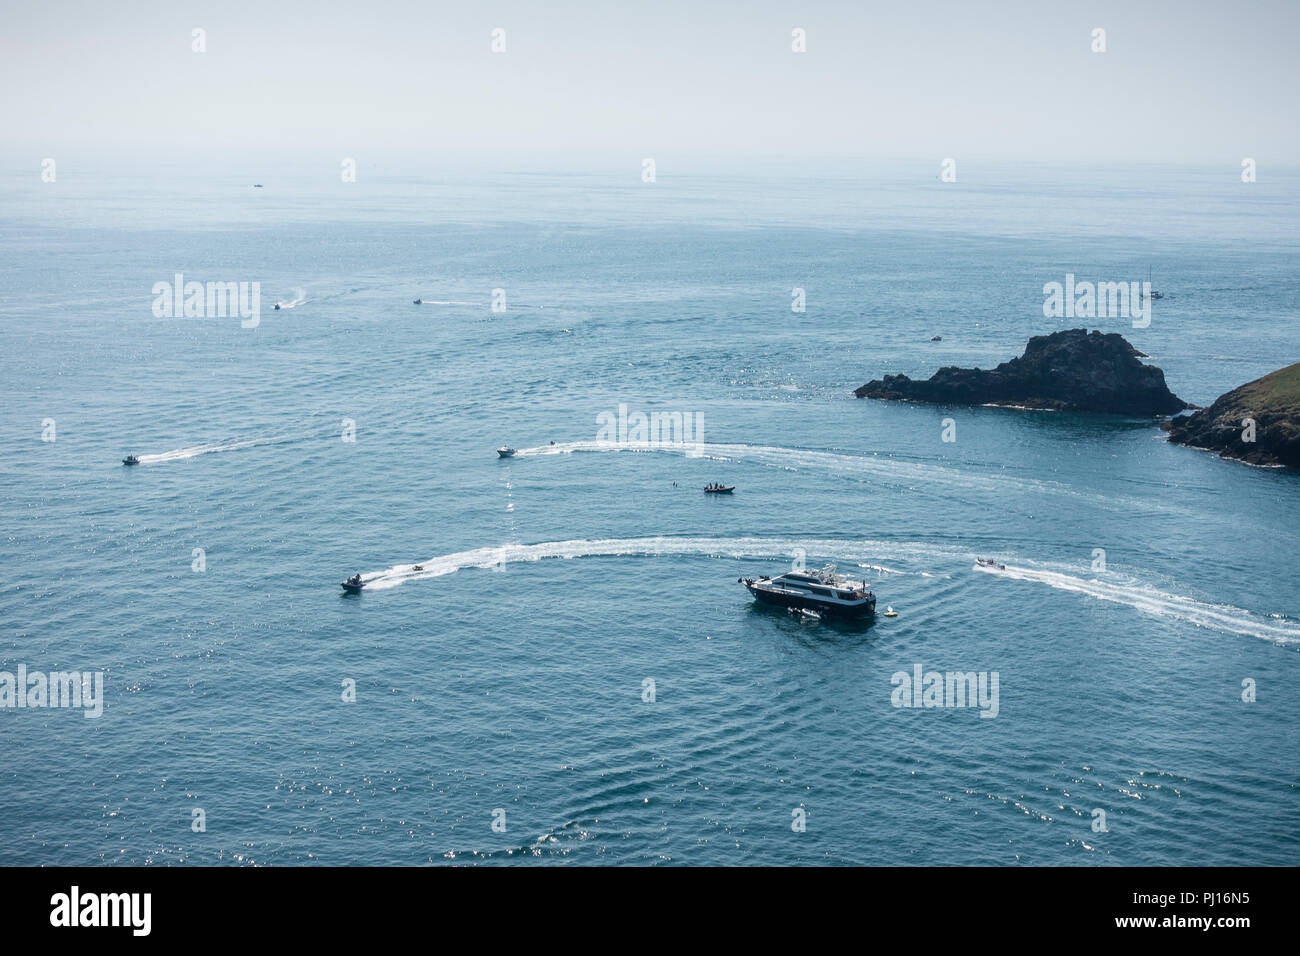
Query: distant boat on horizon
x=1152 y=294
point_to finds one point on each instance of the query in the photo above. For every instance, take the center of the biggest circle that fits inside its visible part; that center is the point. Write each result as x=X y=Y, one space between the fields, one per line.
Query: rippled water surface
x=509 y=674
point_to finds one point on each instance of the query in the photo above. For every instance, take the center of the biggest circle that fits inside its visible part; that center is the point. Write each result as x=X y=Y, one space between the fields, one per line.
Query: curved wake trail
x=299 y=297
x=650 y=547
x=795 y=459
x=1219 y=617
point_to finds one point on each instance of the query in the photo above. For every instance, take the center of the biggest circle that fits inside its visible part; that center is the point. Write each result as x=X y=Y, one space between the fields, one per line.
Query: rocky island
x=1074 y=370
x=1258 y=423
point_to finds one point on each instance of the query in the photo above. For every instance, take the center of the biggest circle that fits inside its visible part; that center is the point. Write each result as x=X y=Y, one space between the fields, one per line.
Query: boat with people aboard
x=353 y=585
x=824 y=591
x=505 y=451
x=130 y=460
x=990 y=563
x=716 y=489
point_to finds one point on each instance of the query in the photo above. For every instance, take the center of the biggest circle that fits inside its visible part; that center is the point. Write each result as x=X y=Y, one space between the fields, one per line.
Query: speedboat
x=823 y=591
x=505 y=451
x=353 y=584
x=277 y=306
x=719 y=489
x=990 y=563
x=417 y=567
x=130 y=460
x=419 y=302
x=936 y=338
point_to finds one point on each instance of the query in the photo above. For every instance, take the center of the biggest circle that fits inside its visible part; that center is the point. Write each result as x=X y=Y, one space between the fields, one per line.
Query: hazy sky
x=1180 y=81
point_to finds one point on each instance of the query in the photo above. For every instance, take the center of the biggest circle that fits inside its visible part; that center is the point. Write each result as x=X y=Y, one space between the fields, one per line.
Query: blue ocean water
x=510 y=674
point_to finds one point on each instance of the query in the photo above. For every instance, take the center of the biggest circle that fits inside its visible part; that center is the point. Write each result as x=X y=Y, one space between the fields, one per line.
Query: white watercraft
x=823 y=591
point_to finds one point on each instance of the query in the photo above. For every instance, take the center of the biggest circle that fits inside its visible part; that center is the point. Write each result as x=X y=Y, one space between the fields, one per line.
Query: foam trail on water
x=299 y=297
x=192 y=451
x=884 y=570
x=822 y=548
x=796 y=459
x=1219 y=617
x=1225 y=618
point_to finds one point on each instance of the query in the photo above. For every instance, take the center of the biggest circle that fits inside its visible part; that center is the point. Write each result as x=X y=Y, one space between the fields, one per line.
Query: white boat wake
x=884 y=570
x=299 y=297
x=1219 y=617
x=812 y=550
x=895 y=470
x=192 y=451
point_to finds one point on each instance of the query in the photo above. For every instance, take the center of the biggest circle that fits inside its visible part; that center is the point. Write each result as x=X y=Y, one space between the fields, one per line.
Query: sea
x=576 y=676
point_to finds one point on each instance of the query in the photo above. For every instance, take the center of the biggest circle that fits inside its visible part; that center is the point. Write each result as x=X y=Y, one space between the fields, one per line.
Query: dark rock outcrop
x=1267 y=410
x=1073 y=369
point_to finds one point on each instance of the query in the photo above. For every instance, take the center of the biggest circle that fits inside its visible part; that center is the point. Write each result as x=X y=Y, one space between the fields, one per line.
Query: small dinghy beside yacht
x=825 y=592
